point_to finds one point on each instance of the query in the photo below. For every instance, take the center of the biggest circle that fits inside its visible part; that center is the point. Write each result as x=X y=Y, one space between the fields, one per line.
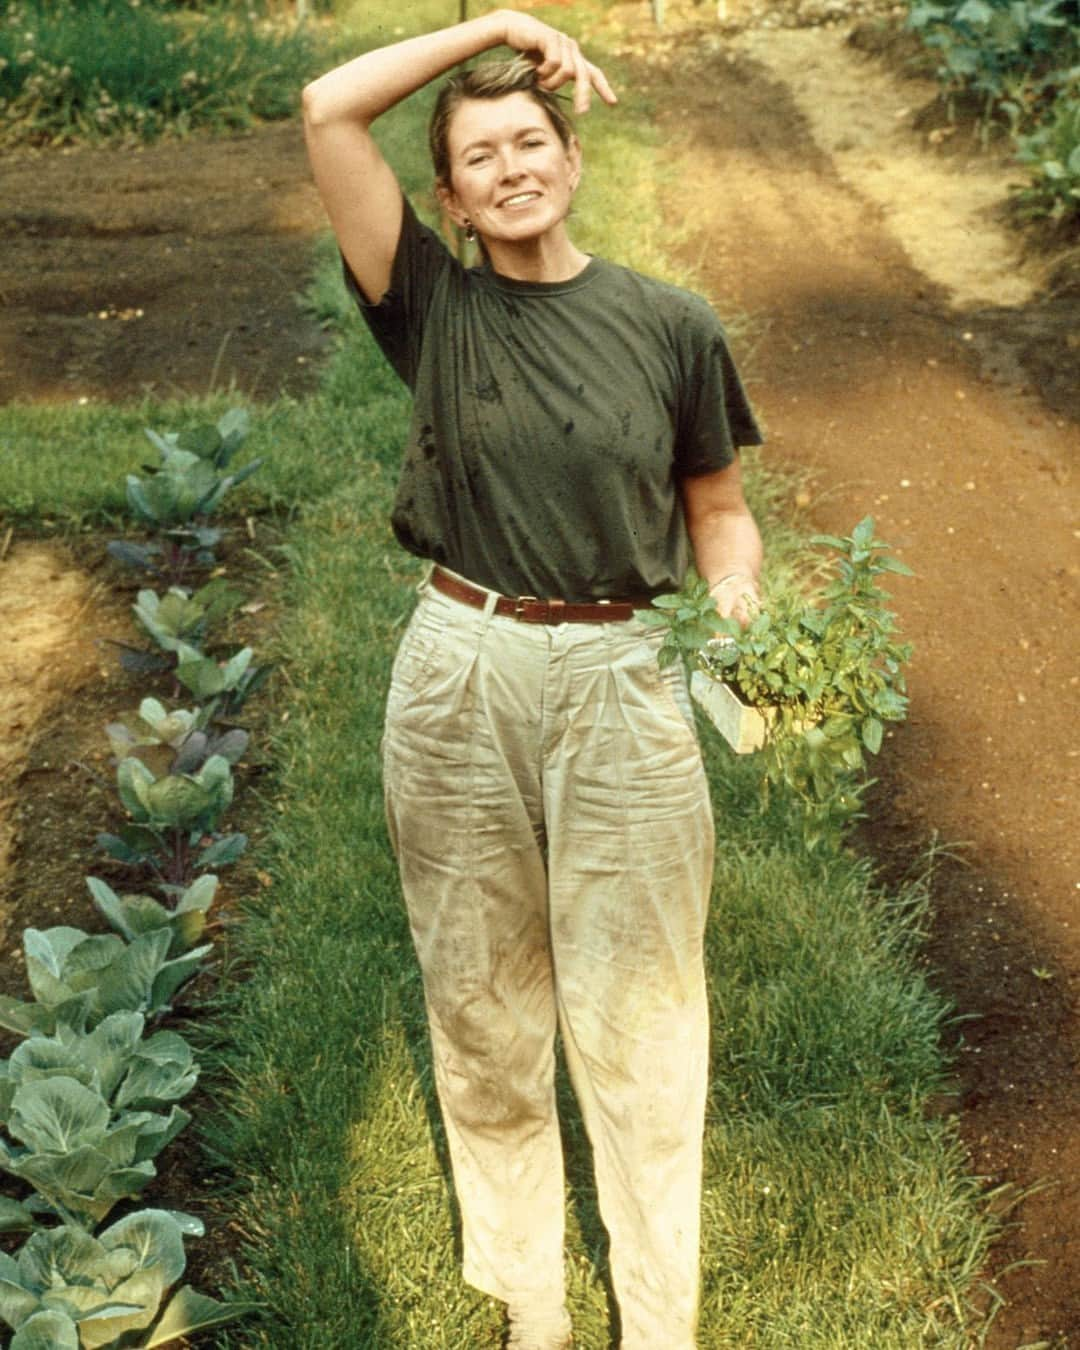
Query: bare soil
x=899 y=372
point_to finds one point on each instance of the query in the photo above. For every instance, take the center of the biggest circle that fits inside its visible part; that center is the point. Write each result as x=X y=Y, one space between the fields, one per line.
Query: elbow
x=312 y=105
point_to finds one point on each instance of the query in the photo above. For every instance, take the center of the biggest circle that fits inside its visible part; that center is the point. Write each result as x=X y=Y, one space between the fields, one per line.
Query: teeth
x=521 y=197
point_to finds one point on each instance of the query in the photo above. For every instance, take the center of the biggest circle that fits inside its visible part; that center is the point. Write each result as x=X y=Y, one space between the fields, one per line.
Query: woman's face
x=510 y=174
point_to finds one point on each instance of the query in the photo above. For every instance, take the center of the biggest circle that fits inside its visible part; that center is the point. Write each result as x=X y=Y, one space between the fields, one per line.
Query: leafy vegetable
x=132 y=915
x=224 y=687
x=180 y=620
x=77 y=980
x=76 y=1153
x=174 y=819
x=113 y=1060
x=80 y=1290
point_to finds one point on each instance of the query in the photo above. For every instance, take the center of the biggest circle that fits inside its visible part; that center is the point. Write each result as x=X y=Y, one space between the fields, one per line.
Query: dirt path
x=886 y=360
x=879 y=365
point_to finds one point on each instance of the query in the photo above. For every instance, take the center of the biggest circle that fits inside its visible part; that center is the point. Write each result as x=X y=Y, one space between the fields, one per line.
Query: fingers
x=560 y=61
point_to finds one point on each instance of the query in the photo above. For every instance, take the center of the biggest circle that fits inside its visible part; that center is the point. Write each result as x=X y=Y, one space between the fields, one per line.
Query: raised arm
x=358 y=188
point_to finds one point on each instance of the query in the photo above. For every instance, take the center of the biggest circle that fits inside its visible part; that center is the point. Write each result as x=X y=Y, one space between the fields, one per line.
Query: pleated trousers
x=548 y=807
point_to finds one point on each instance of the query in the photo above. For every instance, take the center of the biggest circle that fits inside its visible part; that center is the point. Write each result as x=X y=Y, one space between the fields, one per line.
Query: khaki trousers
x=549 y=811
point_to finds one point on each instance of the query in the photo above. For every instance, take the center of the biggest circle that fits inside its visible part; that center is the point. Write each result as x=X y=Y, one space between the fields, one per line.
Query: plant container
x=741 y=725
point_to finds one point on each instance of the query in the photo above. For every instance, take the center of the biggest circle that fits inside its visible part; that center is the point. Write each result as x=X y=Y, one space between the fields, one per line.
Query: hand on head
x=558 y=59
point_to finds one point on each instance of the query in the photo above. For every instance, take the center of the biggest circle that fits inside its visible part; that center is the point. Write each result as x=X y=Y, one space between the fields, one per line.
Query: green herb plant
x=828 y=669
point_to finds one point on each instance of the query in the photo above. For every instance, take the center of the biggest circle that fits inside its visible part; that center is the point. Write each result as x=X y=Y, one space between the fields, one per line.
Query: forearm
x=726 y=544
x=369 y=85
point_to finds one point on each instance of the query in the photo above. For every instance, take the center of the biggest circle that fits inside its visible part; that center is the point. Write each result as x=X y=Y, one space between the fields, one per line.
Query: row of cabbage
x=89 y=1097
x=1022 y=59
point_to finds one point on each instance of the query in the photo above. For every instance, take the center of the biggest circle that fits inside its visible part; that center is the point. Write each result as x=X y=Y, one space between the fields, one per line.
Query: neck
x=549 y=258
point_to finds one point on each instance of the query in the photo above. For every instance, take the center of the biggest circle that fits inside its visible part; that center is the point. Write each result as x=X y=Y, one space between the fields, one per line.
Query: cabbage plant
x=223 y=687
x=78 y=980
x=174 y=818
x=114 y=1060
x=133 y=915
x=180 y=494
x=65 y=1288
x=78 y=1154
x=178 y=623
x=173 y=742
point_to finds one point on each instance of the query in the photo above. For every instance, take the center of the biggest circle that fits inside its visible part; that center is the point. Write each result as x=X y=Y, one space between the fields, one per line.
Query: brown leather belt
x=531 y=609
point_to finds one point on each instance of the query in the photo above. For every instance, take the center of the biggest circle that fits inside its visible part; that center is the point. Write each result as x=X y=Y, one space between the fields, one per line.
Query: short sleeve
x=715 y=416
x=397 y=322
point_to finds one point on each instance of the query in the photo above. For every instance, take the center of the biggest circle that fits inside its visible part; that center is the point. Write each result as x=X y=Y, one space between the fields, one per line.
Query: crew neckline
x=515 y=287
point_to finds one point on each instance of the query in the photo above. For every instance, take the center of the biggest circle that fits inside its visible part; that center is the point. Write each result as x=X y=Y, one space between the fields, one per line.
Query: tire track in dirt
x=45 y=653
x=869 y=375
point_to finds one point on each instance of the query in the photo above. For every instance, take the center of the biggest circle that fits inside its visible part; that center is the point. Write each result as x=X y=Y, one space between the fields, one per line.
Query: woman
x=575 y=430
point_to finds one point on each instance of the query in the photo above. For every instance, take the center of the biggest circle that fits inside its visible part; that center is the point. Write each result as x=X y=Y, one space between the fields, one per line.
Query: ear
x=448 y=200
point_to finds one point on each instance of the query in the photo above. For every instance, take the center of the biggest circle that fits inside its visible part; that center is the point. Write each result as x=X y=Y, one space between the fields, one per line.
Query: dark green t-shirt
x=552 y=421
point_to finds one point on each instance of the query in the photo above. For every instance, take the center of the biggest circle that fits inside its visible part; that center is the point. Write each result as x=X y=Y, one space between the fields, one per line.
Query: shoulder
x=680 y=310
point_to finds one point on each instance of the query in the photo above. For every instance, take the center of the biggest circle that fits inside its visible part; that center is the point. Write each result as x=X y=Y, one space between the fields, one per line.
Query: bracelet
x=733 y=576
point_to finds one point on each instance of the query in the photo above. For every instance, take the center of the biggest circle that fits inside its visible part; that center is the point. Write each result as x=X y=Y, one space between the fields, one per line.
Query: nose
x=509 y=171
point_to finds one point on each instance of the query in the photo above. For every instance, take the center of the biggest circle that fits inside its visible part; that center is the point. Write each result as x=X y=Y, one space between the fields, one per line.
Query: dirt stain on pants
x=550 y=814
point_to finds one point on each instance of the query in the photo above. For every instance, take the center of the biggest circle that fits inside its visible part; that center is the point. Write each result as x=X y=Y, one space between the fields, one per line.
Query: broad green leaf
x=108 y=902
x=163 y=1072
x=189 y=1312
x=51 y=947
x=127 y=984
x=202 y=441
x=202 y=676
x=178 y=801
x=46 y=1330
x=236 y=667
x=199 y=895
x=16 y=1302
x=58 y=1256
x=57 y=1115
x=872 y=734
x=155 y=1237
x=133 y=781
x=173 y=974
x=14 y=1217
x=227 y=849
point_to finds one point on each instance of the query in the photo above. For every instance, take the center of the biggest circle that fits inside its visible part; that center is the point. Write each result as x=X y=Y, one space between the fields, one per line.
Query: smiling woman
x=574 y=436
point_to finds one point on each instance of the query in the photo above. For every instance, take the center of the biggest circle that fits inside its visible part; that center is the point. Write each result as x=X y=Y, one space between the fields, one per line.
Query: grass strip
x=93 y=69
x=837 y=1214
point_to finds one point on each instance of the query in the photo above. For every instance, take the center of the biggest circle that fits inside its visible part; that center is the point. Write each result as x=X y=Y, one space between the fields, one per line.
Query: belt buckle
x=519 y=606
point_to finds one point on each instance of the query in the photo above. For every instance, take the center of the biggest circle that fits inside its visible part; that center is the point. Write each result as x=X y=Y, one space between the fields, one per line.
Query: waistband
x=532 y=609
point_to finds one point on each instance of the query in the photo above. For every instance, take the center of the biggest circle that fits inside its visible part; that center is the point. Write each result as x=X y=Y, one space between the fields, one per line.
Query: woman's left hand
x=737 y=597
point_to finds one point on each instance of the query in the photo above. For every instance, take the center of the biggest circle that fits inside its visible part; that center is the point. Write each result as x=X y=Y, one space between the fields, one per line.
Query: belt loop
x=490 y=601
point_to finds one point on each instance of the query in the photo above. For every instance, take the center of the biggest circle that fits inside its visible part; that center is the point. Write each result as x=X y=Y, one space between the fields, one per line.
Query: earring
x=470 y=230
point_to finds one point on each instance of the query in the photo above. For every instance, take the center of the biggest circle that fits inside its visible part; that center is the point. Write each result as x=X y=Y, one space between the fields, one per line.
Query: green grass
x=78 y=69
x=837 y=1213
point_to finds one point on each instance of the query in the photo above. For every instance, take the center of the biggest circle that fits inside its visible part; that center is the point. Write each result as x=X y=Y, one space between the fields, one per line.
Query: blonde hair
x=490 y=80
